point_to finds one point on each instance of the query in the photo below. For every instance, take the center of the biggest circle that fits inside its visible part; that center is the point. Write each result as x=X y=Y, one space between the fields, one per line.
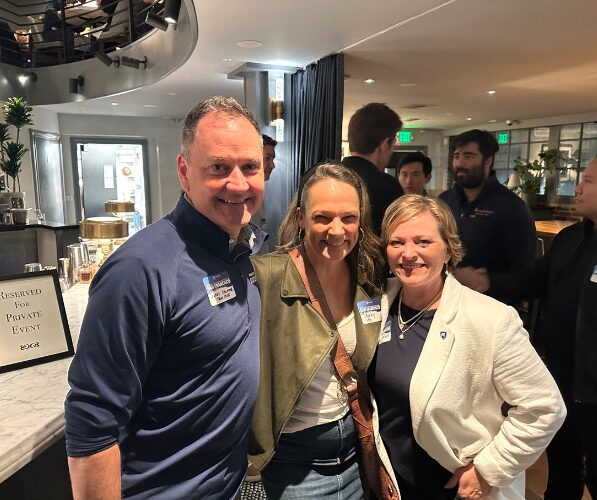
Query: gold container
x=100 y=228
x=115 y=206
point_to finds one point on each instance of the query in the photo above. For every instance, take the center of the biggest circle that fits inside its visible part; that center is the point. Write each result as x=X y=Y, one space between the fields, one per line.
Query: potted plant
x=17 y=114
x=531 y=173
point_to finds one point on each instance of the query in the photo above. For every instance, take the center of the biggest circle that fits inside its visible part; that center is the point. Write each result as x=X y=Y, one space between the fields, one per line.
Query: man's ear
x=183 y=170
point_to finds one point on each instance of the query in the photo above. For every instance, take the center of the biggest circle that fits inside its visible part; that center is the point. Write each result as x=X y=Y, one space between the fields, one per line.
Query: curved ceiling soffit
x=166 y=51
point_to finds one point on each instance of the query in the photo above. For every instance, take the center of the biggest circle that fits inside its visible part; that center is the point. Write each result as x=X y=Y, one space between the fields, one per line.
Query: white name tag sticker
x=219 y=288
x=386 y=335
x=594 y=275
x=370 y=311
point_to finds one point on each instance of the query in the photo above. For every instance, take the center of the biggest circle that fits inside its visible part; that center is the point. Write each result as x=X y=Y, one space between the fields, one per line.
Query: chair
x=117 y=27
x=47 y=48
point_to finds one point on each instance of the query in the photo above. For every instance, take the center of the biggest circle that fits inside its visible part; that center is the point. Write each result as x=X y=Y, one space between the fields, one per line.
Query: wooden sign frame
x=31 y=307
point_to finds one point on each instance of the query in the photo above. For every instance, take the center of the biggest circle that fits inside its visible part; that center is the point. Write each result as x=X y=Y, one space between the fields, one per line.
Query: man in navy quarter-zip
x=495 y=225
x=165 y=377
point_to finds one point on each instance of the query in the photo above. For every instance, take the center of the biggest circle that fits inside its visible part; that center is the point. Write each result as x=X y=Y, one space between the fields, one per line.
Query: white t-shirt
x=320 y=404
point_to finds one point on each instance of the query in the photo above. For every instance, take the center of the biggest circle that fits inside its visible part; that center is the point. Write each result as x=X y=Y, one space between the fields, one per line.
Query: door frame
x=77 y=175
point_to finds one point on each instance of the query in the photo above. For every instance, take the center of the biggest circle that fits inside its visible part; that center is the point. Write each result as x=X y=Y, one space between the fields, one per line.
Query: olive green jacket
x=295 y=340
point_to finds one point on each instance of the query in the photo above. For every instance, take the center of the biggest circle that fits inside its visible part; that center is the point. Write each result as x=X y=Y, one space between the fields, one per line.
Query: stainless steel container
x=33 y=267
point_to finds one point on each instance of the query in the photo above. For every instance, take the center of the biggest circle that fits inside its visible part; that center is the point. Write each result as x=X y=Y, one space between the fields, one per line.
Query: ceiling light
x=114 y=103
x=226 y=60
x=490 y=92
x=369 y=81
x=131 y=62
x=407 y=84
x=171 y=11
x=156 y=21
x=172 y=93
x=249 y=44
x=107 y=60
x=449 y=114
x=492 y=121
x=150 y=105
x=468 y=118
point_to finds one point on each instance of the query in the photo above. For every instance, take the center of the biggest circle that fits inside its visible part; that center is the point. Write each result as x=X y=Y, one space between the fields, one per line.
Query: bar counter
x=32 y=399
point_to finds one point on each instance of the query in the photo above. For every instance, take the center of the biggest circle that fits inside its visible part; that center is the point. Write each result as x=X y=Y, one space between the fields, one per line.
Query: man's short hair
x=417 y=157
x=488 y=145
x=216 y=104
x=370 y=125
x=268 y=141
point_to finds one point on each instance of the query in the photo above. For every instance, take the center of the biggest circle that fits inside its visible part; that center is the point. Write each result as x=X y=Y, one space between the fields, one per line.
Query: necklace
x=405 y=326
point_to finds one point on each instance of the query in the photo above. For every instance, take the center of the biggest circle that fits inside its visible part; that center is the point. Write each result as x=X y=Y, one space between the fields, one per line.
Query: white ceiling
x=538 y=55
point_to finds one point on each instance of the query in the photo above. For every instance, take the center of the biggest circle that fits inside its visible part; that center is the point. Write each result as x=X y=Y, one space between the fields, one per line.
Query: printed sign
x=33 y=324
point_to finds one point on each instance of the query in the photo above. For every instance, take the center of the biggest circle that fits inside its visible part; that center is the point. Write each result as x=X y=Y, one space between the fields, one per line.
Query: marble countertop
x=32 y=399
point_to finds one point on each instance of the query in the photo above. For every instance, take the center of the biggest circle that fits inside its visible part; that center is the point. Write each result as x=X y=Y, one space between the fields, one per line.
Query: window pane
x=567 y=176
x=535 y=148
x=588 y=152
x=566 y=182
x=589 y=130
x=502 y=175
x=518 y=151
x=570 y=131
x=540 y=134
x=521 y=135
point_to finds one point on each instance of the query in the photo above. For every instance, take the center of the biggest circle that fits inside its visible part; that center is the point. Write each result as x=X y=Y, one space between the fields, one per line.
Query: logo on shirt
x=482 y=212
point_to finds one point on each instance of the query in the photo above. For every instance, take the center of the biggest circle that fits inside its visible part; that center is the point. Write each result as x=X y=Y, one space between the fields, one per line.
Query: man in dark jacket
x=565 y=278
x=371 y=137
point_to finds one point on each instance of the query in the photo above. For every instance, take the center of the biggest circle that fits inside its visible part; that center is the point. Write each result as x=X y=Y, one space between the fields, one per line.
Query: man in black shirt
x=371 y=137
x=495 y=225
x=565 y=278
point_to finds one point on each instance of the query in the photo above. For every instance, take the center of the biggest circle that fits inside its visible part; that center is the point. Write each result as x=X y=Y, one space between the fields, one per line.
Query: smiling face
x=269 y=155
x=222 y=175
x=417 y=253
x=586 y=193
x=331 y=221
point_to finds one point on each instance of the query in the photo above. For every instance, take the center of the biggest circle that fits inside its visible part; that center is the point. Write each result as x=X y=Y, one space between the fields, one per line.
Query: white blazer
x=476 y=357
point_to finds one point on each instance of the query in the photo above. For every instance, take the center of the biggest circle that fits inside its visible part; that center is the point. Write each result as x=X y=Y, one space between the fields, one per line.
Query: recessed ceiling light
x=468 y=118
x=449 y=114
x=114 y=103
x=407 y=84
x=249 y=44
x=369 y=81
x=492 y=121
x=150 y=105
x=172 y=93
x=226 y=60
x=491 y=92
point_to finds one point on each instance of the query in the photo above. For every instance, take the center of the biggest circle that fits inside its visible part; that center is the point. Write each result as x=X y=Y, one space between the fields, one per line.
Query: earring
x=301 y=236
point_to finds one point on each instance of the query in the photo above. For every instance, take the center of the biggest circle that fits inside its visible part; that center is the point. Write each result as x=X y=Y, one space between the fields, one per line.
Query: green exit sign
x=405 y=137
x=503 y=138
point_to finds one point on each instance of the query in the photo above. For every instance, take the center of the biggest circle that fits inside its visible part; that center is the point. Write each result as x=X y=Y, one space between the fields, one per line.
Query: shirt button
x=456 y=451
x=284 y=293
x=332 y=333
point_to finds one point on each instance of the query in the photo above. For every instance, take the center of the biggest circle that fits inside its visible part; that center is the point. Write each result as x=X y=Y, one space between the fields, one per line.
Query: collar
x=359 y=161
x=199 y=229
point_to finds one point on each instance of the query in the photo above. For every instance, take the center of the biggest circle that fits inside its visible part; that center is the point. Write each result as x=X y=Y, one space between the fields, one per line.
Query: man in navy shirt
x=165 y=377
x=495 y=225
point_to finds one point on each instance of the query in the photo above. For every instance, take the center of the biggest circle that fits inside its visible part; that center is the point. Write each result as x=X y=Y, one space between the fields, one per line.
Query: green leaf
x=11 y=164
x=17 y=113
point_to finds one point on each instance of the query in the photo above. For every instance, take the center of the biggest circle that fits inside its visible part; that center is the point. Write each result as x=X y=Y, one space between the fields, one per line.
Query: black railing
x=58 y=31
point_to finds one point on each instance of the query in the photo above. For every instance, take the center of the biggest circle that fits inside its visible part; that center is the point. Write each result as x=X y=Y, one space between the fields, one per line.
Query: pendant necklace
x=405 y=326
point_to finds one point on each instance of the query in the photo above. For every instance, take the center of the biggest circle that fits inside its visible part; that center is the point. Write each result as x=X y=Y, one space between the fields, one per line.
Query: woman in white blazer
x=463 y=402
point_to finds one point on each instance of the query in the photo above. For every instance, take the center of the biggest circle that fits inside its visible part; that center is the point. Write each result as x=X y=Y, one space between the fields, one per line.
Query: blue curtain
x=315 y=116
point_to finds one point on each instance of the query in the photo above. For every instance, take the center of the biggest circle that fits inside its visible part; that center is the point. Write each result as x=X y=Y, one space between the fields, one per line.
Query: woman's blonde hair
x=409 y=206
x=365 y=260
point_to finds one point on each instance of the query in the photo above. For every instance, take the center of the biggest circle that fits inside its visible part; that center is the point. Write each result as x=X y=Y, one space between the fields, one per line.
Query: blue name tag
x=219 y=288
x=370 y=311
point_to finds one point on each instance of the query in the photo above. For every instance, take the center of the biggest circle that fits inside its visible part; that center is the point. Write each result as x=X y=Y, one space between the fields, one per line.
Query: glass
x=589 y=130
x=520 y=135
x=40 y=216
x=502 y=175
x=571 y=131
x=518 y=151
x=540 y=134
x=33 y=267
x=588 y=152
x=566 y=182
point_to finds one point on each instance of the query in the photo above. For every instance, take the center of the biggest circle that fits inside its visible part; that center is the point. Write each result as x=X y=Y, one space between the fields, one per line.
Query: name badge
x=219 y=288
x=386 y=335
x=252 y=277
x=370 y=311
x=594 y=275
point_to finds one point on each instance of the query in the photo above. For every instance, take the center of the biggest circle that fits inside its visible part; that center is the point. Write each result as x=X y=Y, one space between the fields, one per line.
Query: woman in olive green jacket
x=303 y=438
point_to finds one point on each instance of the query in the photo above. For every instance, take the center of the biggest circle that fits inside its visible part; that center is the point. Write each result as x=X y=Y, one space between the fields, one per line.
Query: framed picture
x=33 y=324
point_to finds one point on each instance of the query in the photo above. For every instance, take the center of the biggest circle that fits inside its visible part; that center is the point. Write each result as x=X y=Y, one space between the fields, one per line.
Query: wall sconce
x=75 y=83
x=28 y=76
x=171 y=11
x=156 y=21
x=276 y=110
x=131 y=62
x=107 y=60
